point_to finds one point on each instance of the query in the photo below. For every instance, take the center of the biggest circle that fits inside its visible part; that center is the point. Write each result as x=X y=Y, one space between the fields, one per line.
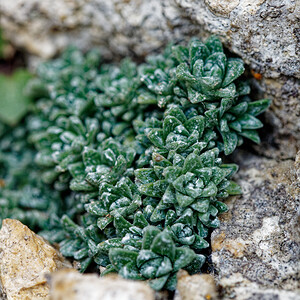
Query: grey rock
x=264 y=32
x=256 y=250
x=118 y=27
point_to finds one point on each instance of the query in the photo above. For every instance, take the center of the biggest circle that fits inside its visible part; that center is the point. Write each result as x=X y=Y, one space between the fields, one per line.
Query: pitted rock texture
x=71 y=285
x=256 y=250
x=265 y=33
x=25 y=259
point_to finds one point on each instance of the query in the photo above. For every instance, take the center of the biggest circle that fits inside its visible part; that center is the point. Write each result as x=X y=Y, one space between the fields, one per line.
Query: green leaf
x=122 y=226
x=183 y=73
x=197 y=50
x=257 y=107
x=163 y=245
x=226 y=103
x=249 y=122
x=156 y=137
x=176 y=112
x=239 y=109
x=231 y=169
x=201 y=205
x=150 y=232
x=120 y=257
x=110 y=243
x=235 y=68
x=227 y=92
x=214 y=44
x=145 y=175
x=195 y=266
x=183 y=257
x=195 y=123
x=145 y=256
x=212 y=116
x=184 y=200
x=200 y=243
x=157 y=215
x=172 y=173
x=170 y=123
x=109 y=269
x=104 y=221
x=179 y=184
x=154 y=189
x=210 y=190
x=181 y=53
x=230 y=140
x=191 y=163
x=222 y=207
x=130 y=271
x=170 y=218
x=195 y=96
x=13 y=102
x=234 y=189
x=218 y=175
x=140 y=220
x=158 y=283
x=92 y=157
x=251 y=135
x=164 y=268
x=149 y=268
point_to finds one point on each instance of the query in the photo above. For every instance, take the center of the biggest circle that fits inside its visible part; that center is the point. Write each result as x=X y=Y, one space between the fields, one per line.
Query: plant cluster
x=137 y=151
x=23 y=195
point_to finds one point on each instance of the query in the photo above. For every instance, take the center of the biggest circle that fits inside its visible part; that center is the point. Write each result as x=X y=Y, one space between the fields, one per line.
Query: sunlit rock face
x=25 y=259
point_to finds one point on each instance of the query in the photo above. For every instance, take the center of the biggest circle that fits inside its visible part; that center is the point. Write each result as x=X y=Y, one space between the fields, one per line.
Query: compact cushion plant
x=134 y=154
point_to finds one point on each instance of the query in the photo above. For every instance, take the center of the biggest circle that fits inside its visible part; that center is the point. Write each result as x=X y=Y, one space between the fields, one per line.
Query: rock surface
x=69 y=284
x=265 y=33
x=256 y=250
x=25 y=259
x=195 y=287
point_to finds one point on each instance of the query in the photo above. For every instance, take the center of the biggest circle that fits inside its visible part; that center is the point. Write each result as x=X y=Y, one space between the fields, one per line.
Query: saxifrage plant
x=138 y=150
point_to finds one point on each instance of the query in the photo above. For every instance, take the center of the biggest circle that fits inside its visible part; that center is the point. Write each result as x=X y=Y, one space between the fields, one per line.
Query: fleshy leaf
x=184 y=256
x=235 y=68
x=164 y=245
x=121 y=257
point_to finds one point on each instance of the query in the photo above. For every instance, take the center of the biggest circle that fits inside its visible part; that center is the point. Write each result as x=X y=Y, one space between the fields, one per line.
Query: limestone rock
x=256 y=250
x=71 y=285
x=195 y=287
x=25 y=259
x=281 y=134
x=118 y=26
x=263 y=32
